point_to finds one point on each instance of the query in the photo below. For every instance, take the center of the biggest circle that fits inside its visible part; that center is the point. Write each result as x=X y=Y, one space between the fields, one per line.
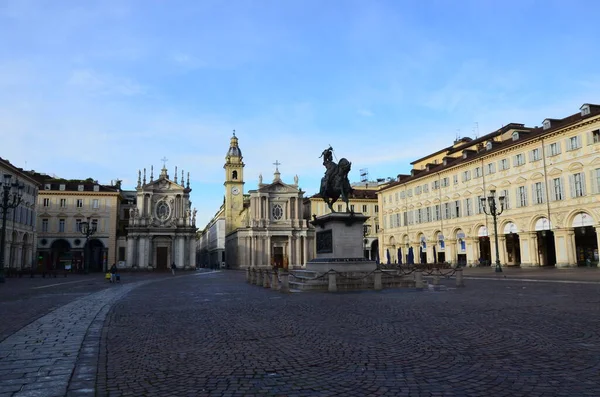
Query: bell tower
x=234 y=186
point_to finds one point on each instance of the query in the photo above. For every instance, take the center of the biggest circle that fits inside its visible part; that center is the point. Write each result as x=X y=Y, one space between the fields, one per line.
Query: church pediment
x=163 y=184
x=278 y=187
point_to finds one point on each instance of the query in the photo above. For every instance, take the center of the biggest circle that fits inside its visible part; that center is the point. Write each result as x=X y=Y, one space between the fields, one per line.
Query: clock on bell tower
x=234 y=186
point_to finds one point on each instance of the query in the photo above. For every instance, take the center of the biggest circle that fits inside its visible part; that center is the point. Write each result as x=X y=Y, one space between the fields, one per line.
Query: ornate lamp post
x=87 y=228
x=8 y=202
x=494 y=212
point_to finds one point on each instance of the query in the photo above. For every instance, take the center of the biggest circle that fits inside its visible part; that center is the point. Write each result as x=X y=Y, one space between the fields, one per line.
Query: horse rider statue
x=335 y=183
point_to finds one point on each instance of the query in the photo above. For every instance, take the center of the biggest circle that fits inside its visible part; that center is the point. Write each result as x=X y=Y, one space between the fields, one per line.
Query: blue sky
x=103 y=88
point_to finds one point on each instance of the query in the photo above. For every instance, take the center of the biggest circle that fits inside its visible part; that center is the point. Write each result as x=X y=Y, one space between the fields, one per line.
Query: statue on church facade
x=335 y=183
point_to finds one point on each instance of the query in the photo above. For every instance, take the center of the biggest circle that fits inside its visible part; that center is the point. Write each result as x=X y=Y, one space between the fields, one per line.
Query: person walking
x=173 y=267
x=113 y=273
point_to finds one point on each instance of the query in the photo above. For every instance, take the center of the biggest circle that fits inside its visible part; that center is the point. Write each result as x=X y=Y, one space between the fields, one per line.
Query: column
x=305 y=250
x=571 y=247
x=533 y=259
x=268 y=249
x=560 y=243
x=141 y=257
x=18 y=255
x=192 y=248
x=472 y=250
x=181 y=253
x=288 y=250
x=252 y=251
x=298 y=250
x=476 y=251
x=597 y=238
x=450 y=249
x=130 y=249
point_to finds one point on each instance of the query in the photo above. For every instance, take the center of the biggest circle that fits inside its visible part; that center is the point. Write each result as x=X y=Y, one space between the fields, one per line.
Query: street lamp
x=8 y=202
x=87 y=229
x=493 y=211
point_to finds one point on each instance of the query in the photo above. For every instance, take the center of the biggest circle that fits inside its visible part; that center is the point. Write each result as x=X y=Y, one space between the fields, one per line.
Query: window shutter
x=526 y=194
x=531 y=158
x=583 y=191
x=593 y=182
x=568 y=143
x=572 y=185
x=515 y=161
x=534 y=196
x=518 y=196
x=579 y=141
x=547 y=150
x=558 y=151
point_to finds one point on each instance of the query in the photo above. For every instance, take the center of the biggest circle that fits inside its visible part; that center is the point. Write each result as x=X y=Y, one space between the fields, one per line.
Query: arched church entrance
x=586 y=242
x=60 y=254
x=96 y=256
x=513 y=244
x=374 y=249
x=485 y=249
x=546 y=250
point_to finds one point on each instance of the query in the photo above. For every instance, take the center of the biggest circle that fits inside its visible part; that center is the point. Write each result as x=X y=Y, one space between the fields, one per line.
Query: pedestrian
x=113 y=273
x=173 y=267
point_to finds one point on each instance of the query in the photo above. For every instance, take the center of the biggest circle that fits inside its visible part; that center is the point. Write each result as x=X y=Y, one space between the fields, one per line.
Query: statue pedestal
x=339 y=238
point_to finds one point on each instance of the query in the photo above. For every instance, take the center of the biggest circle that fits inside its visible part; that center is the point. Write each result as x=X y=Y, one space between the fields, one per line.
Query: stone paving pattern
x=218 y=336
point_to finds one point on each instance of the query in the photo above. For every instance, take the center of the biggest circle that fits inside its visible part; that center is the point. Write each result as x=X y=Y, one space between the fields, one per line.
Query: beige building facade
x=265 y=227
x=20 y=229
x=62 y=206
x=549 y=176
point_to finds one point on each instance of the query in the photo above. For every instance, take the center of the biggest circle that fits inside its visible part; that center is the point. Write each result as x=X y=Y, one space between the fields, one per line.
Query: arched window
x=234 y=175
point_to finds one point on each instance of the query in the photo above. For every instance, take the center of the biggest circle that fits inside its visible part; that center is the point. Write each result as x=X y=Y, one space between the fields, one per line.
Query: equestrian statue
x=335 y=183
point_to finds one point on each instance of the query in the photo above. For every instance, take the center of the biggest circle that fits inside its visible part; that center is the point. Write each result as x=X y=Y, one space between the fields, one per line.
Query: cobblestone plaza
x=211 y=334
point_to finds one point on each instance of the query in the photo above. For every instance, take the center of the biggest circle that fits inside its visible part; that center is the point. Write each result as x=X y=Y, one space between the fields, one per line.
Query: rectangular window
x=45 y=225
x=352 y=207
x=384 y=200
x=405 y=217
x=557 y=189
x=457 y=209
x=339 y=208
x=61 y=225
x=95 y=203
x=554 y=149
x=446 y=210
x=365 y=209
x=426 y=188
x=428 y=214
x=435 y=185
x=503 y=165
x=455 y=179
x=466 y=176
x=79 y=203
x=478 y=173
x=396 y=196
x=504 y=194
x=491 y=168
x=46 y=202
x=437 y=212
x=534 y=155
x=445 y=182
x=398 y=219
x=538 y=193
x=522 y=196
x=468 y=207
x=63 y=203
x=519 y=160
x=573 y=143
x=577 y=185
x=595 y=136
x=418 y=190
x=376 y=208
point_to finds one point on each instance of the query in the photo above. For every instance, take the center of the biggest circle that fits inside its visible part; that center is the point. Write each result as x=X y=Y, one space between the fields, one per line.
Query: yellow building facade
x=549 y=176
x=62 y=206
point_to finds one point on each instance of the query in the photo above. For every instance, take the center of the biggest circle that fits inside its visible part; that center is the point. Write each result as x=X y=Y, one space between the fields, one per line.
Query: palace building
x=549 y=177
x=265 y=227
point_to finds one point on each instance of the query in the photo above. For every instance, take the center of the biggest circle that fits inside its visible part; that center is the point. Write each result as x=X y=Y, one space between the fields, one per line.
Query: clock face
x=235 y=190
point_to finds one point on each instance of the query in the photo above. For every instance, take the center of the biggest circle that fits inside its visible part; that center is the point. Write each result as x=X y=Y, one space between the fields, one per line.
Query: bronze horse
x=335 y=183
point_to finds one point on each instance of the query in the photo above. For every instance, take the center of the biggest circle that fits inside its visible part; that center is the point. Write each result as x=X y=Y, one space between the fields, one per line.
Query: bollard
x=266 y=279
x=332 y=283
x=436 y=277
x=285 y=282
x=258 y=277
x=419 y=280
x=459 y=278
x=253 y=276
x=377 y=283
x=274 y=281
x=248 y=276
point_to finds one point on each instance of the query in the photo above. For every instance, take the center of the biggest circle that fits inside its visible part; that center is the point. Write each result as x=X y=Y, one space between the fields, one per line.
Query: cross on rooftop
x=277 y=164
x=164 y=160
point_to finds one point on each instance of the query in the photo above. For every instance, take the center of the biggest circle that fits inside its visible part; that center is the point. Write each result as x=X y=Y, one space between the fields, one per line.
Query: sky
x=104 y=88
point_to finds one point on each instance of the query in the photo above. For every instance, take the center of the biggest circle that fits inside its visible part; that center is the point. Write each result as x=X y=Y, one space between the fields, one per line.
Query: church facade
x=162 y=227
x=265 y=227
